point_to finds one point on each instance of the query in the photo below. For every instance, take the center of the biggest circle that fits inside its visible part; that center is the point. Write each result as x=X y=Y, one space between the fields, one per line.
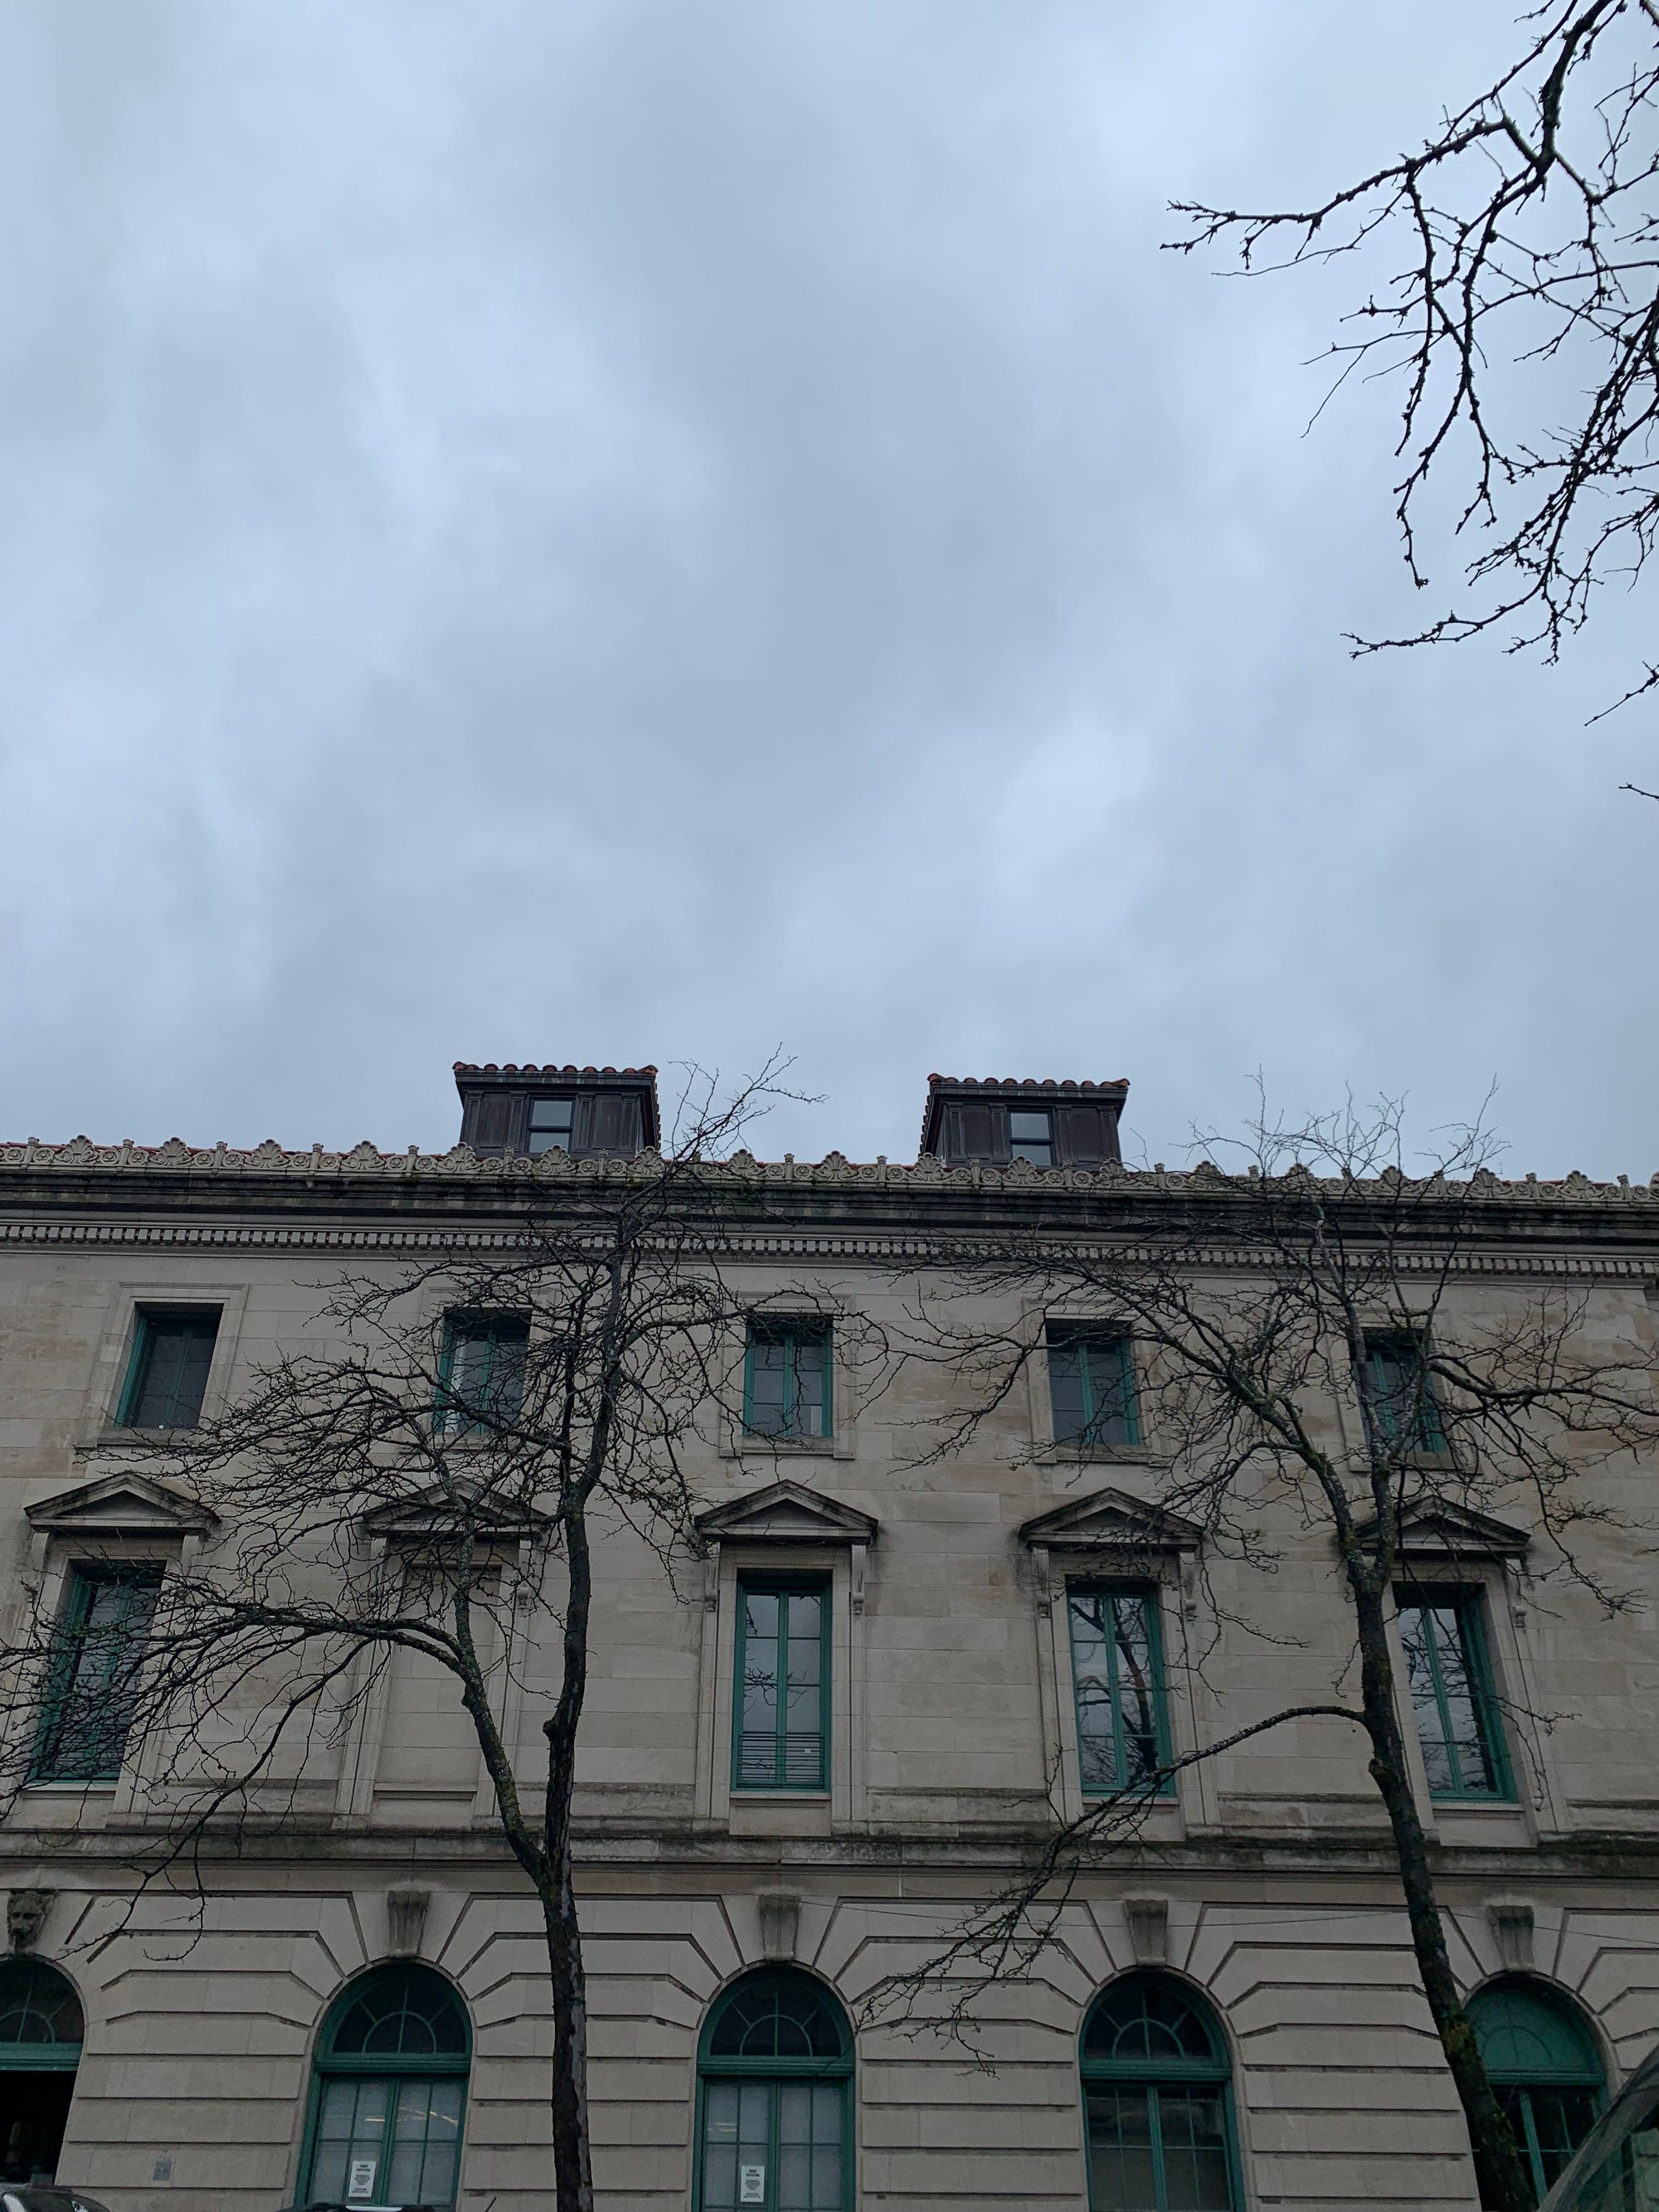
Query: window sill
x=774 y=1449
x=126 y=1440
x=1054 y=1455
x=62 y=1789
x=751 y=1793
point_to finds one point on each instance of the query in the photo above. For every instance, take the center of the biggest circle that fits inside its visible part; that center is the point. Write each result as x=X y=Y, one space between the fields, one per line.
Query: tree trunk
x=1504 y=2184
x=573 y=2174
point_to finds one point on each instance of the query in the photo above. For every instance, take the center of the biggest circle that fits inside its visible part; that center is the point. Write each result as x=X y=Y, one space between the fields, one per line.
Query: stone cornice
x=366 y=1200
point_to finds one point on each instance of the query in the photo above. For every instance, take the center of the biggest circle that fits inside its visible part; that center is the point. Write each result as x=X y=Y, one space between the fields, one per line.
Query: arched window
x=1156 y=2090
x=775 y=2085
x=41 y=2031
x=392 y=2067
x=1542 y=2061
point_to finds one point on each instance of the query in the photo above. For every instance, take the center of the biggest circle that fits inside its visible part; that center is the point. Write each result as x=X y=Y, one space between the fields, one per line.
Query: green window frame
x=1543 y=2064
x=780 y=1688
x=1401 y=1392
x=481 y=1372
x=92 y=1672
x=389 y=2084
x=1160 y=2134
x=1091 y=1385
x=167 y=1368
x=788 y=1379
x=774 y=2098
x=1454 y=1697
x=1118 y=1691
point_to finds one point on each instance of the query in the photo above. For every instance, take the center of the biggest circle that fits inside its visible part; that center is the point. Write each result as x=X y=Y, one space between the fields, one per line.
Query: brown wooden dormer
x=591 y=1113
x=1002 y=1119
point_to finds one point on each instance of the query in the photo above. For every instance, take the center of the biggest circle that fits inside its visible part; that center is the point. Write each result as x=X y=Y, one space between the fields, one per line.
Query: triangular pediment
x=1111 y=1521
x=787 y=1513
x=438 y=1512
x=1438 y=1527
x=121 y=1505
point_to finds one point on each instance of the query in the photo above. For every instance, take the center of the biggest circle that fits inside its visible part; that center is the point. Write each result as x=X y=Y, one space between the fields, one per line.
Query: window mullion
x=1115 y=1691
x=774 y=2143
x=781 y=1745
x=1432 y=1643
x=1155 y=2139
x=1529 y=2130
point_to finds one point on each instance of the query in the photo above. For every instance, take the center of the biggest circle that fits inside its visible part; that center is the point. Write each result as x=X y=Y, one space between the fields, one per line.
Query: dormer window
x=1047 y=1125
x=550 y=1121
x=585 y=1113
x=1031 y=1136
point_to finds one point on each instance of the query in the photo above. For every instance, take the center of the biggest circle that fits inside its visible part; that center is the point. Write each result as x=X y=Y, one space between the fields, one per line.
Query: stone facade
x=1265 y=1883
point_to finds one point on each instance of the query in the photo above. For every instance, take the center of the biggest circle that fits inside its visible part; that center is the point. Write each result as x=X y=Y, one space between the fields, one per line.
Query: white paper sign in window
x=752 y=2184
x=360 y=2181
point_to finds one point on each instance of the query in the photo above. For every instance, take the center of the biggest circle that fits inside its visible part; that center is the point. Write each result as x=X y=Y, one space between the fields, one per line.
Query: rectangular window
x=1453 y=1699
x=92 y=1683
x=786 y=1379
x=550 y=1124
x=1402 y=1392
x=1091 y=1385
x=1030 y=1136
x=167 y=1376
x=481 y=1372
x=780 y=1724
x=1117 y=1679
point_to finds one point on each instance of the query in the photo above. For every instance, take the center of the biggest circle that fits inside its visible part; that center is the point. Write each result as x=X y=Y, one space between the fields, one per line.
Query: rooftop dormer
x=1000 y=1119
x=591 y=1113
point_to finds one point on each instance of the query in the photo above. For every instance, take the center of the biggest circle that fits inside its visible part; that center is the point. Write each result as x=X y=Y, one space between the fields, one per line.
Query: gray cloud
x=628 y=531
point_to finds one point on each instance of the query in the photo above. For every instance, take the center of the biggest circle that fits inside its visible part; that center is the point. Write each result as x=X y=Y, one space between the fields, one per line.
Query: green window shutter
x=1117 y=1683
x=92 y=1682
x=788 y=1379
x=781 y=1697
x=1454 y=1701
x=1091 y=1385
x=481 y=1371
x=167 y=1373
x=1401 y=1392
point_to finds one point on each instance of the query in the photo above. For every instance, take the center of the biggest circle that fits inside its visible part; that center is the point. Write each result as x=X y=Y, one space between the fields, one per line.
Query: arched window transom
x=1542 y=2061
x=1157 y=2098
x=392 y=2071
x=41 y=2022
x=774 y=2088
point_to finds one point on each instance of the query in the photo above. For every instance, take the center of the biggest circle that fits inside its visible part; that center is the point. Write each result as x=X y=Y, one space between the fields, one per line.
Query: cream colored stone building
x=1251 y=1948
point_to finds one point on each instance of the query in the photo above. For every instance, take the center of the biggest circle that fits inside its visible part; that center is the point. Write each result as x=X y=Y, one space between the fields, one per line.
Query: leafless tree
x=1520 y=314
x=416 y=1486
x=1308 y=1360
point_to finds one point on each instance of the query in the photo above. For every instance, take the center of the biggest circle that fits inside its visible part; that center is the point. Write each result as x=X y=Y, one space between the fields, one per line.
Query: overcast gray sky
x=566 y=529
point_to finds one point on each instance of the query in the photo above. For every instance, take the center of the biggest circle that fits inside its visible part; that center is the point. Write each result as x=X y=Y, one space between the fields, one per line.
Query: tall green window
x=1402 y=1391
x=1091 y=1385
x=1453 y=1698
x=92 y=1683
x=1542 y=2062
x=1117 y=1682
x=481 y=1371
x=41 y=2033
x=167 y=1373
x=1157 y=2093
x=390 y=2092
x=774 y=2080
x=787 y=1379
x=780 y=1700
